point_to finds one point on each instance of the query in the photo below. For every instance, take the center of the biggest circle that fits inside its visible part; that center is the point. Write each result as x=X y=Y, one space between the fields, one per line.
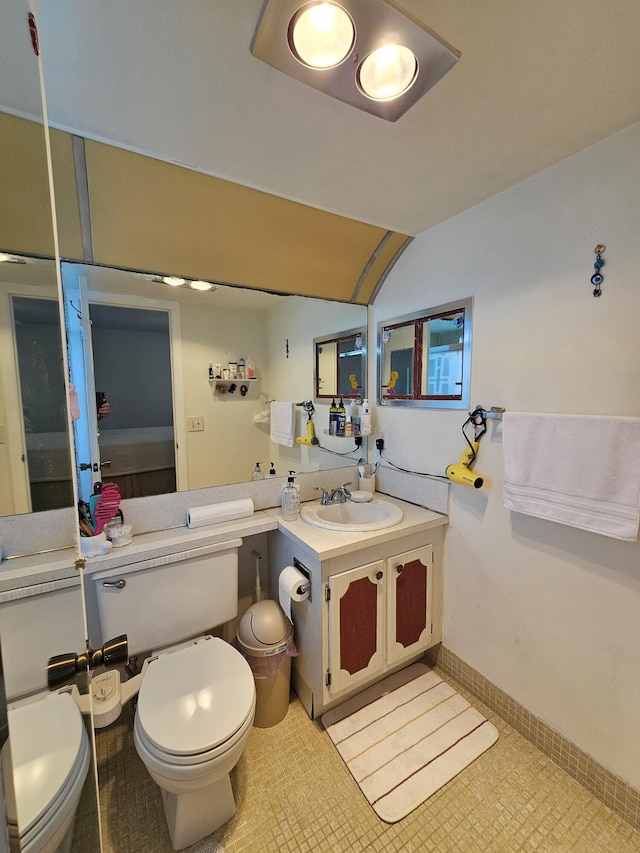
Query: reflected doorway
x=42 y=396
x=132 y=373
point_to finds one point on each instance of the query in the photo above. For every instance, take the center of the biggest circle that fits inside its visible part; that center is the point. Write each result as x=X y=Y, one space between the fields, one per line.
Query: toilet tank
x=168 y=599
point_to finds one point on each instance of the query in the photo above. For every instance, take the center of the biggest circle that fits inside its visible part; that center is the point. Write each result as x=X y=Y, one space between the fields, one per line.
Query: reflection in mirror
x=340 y=363
x=424 y=359
x=207 y=430
x=33 y=402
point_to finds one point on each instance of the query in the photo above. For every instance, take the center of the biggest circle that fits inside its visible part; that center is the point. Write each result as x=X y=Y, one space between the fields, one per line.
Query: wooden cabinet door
x=409 y=592
x=356 y=625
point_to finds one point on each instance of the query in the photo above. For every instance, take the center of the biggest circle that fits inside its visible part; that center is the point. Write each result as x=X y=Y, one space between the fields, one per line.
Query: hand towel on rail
x=283 y=423
x=579 y=470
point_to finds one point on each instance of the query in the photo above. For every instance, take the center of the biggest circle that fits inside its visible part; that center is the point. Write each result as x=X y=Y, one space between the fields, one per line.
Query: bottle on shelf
x=333 y=418
x=366 y=427
x=257 y=473
x=354 y=413
x=342 y=418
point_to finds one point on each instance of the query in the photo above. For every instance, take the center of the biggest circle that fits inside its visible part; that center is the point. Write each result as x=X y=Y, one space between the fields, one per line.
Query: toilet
x=196 y=695
x=44 y=763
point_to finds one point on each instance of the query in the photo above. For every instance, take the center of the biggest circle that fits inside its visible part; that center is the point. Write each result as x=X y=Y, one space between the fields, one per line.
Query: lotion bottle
x=366 y=428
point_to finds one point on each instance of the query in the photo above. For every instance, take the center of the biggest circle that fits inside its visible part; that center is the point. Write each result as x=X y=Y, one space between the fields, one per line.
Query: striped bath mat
x=405 y=737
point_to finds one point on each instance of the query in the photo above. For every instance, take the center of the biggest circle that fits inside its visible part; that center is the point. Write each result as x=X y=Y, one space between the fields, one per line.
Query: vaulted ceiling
x=536 y=82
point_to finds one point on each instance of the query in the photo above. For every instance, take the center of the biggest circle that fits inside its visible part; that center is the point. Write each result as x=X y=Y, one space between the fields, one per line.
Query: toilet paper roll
x=200 y=516
x=292 y=586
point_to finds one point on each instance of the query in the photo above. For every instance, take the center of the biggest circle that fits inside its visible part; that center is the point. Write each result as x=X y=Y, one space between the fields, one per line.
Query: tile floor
x=294 y=795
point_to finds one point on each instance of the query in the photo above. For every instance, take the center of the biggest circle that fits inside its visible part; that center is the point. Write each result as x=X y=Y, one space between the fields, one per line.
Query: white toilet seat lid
x=192 y=700
x=46 y=743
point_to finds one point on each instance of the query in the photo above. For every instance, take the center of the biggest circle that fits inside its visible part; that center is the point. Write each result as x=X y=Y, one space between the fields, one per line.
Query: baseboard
x=610 y=789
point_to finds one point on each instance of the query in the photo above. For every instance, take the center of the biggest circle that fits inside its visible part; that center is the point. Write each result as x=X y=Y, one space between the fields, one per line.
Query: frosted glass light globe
x=387 y=72
x=322 y=35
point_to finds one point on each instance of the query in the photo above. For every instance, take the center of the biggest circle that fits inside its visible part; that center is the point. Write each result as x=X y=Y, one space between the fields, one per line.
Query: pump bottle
x=290 y=499
x=257 y=473
x=366 y=427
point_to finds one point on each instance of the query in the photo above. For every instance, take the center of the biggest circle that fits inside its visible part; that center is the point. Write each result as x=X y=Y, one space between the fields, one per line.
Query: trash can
x=265 y=638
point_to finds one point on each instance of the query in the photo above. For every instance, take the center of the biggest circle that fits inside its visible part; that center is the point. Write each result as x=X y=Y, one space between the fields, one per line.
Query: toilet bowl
x=195 y=711
x=196 y=702
x=45 y=763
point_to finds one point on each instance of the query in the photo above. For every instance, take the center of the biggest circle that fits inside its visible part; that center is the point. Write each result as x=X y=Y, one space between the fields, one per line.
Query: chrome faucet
x=341 y=494
x=337 y=496
x=325 y=500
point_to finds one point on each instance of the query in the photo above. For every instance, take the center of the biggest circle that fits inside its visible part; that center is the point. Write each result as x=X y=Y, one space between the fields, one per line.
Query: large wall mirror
x=154 y=348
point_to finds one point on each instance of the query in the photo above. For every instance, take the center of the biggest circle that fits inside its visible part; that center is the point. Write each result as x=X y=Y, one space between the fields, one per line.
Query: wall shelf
x=225 y=387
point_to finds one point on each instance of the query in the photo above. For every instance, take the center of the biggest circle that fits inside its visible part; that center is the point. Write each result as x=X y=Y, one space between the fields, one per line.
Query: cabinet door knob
x=379 y=575
x=399 y=569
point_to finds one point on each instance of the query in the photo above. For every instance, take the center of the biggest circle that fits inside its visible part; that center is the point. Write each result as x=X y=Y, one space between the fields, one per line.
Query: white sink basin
x=352 y=517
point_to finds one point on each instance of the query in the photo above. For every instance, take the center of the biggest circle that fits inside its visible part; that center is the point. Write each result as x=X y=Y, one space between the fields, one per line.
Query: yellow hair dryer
x=310 y=438
x=460 y=473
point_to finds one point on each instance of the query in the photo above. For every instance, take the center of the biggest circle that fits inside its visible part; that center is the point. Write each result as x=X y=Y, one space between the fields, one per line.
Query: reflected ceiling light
x=173 y=280
x=11 y=259
x=321 y=35
x=365 y=53
x=201 y=285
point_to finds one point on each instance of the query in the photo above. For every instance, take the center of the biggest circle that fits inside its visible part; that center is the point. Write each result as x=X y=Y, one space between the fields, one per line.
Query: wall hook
x=597 y=278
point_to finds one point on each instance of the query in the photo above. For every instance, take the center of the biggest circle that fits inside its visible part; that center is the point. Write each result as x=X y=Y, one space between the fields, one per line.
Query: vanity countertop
x=334 y=543
x=58 y=567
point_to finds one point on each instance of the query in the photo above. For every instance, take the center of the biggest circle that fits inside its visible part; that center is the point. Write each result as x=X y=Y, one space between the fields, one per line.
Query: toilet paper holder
x=304 y=587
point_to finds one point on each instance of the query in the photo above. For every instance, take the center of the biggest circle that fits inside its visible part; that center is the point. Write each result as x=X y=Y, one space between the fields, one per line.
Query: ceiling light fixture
x=201 y=285
x=321 y=35
x=363 y=52
x=173 y=280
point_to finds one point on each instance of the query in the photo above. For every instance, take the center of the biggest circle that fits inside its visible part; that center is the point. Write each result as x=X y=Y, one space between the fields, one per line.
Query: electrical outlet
x=195 y=424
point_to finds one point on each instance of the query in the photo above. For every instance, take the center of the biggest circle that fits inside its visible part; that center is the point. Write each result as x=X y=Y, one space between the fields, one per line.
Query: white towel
x=283 y=423
x=201 y=516
x=579 y=470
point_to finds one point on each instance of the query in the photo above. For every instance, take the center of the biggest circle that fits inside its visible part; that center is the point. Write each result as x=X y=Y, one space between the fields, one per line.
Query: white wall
x=291 y=376
x=549 y=613
x=227 y=449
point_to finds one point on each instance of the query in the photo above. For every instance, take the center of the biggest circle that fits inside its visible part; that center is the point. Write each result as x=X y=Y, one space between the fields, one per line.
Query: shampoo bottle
x=333 y=418
x=290 y=500
x=366 y=427
x=342 y=418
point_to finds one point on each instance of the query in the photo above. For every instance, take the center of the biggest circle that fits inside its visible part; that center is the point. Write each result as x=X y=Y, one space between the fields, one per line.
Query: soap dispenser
x=290 y=499
x=257 y=472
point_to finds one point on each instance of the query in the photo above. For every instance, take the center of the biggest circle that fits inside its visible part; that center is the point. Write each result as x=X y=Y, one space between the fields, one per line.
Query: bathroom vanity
x=375 y=603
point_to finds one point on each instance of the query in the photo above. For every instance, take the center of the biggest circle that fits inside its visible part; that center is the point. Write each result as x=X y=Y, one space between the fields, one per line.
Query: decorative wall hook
x=597 y=278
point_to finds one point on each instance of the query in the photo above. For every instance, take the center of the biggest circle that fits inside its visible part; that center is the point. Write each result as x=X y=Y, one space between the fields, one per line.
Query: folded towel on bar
x=283 y=423
x=579 y=470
